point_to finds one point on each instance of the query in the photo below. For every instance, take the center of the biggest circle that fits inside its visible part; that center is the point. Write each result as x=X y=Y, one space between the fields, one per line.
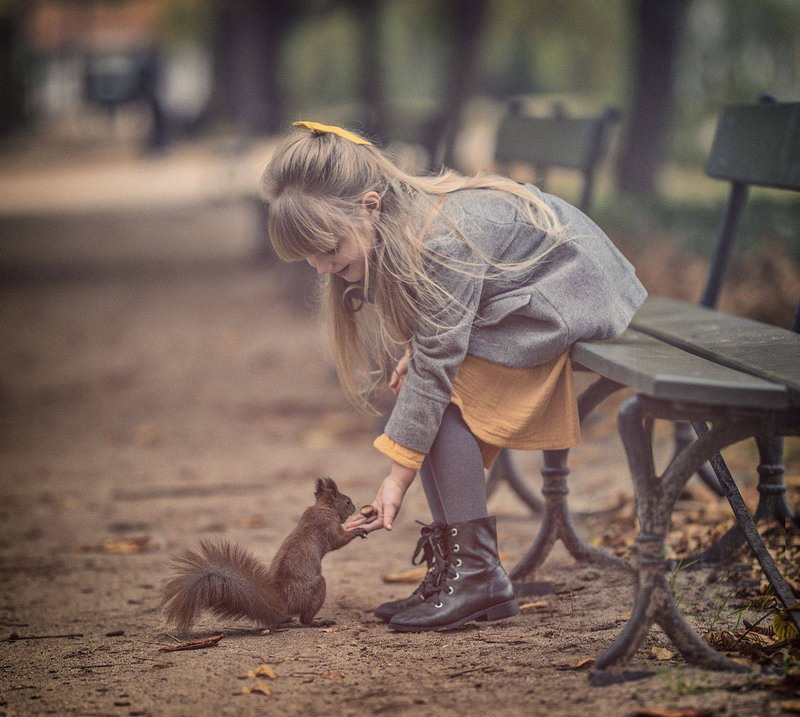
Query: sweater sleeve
x=400 y=454
x=439 y=345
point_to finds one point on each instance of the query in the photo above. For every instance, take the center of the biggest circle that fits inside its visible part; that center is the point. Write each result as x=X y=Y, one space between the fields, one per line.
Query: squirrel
x=230 y=582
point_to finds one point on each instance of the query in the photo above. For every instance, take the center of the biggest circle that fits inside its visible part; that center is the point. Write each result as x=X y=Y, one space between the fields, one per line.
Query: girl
x=473 y=290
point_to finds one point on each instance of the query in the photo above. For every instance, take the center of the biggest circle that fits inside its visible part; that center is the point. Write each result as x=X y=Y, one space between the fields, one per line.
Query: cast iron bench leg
x=557 y=522
x=655 y=499
x=772 y=506
x=684 y=435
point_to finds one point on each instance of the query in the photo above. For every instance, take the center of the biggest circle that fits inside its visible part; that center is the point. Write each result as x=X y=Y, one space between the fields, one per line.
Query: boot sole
x=497 y=612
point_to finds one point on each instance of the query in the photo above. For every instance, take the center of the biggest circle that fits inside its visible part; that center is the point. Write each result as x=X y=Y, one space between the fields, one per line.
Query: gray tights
x=452 y=472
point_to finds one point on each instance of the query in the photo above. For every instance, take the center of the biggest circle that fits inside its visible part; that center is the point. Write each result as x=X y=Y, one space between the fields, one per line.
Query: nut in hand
x=370 y=512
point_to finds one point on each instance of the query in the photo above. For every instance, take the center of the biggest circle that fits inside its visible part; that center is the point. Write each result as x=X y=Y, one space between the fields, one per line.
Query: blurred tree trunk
x=12 y=100
x=372 y=85
x=247 y=62
x=658 y=27
x=467 y=19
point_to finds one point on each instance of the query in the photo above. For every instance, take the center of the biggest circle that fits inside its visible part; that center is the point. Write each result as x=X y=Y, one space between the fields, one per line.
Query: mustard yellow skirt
x=531 y=408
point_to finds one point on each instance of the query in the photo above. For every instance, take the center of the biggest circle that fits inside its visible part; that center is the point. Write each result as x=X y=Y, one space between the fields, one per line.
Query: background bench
x=577 y=144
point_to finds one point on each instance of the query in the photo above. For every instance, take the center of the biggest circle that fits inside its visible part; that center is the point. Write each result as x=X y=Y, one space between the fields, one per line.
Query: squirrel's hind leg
x=314 y=599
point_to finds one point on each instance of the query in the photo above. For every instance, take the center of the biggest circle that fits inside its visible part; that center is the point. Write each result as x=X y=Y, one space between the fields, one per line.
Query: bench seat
x=758 y=349
x=659 y=370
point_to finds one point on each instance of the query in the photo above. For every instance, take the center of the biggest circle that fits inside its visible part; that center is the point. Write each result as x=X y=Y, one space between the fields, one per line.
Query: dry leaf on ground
x=531 y=607
x=414 y=575
x=783 y=626
x=579 y=665
x=745 y=642
x=662 y=653
x=261 y=671
x=331 y=675
x=129 y=546
x=258 y=686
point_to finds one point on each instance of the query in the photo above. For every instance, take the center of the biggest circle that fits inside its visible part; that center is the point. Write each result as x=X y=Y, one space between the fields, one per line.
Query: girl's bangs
x=298 y=229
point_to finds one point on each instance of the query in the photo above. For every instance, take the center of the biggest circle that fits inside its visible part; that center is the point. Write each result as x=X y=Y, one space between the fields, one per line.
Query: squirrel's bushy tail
x=224 y=579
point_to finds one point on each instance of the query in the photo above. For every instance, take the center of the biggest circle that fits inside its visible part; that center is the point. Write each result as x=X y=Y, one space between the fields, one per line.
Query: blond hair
x=314 y=186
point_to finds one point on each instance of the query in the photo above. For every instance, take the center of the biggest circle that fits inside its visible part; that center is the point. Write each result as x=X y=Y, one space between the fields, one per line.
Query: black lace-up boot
x=472 y=584
x=430 y=549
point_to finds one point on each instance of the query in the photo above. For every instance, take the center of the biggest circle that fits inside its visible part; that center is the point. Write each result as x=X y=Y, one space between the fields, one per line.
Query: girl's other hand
x=399 y=375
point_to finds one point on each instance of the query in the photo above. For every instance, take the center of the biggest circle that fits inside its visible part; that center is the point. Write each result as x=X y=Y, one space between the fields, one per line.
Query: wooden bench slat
x=660 y=370
x=759 y=349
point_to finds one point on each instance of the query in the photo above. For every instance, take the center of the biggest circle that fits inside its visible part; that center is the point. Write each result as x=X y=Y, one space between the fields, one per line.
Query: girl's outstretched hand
x=388 y=501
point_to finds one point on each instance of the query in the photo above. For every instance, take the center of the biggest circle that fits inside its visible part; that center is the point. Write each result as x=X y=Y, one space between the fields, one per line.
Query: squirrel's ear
x=332 y=487
x=325 y=485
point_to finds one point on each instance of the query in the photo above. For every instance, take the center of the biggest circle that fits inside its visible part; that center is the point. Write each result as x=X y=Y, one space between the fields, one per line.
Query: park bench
x=692 y=363
x=576 y=144
x=573 y=143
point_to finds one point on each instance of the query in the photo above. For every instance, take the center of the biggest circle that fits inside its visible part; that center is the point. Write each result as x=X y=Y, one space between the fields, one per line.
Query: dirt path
x=193 y=402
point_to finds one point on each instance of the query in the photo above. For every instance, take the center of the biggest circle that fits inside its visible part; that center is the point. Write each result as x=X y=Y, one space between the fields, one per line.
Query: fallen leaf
x=414 y=575
x=531 y=607
x=258 y=686
x=331 y=675
x=262 y=671
x=579 y=665
x=129 y=546
x=784 y=628
x=662 y=653
x=194 y=645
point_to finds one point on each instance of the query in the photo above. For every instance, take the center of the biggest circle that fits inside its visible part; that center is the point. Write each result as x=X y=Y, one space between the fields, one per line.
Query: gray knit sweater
x=584 y=289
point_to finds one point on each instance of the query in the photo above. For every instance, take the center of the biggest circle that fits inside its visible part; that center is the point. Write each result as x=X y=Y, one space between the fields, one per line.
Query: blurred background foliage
x=436 y=73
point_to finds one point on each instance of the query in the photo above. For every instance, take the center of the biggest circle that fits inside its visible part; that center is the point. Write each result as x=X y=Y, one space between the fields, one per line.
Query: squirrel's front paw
x=361 y=532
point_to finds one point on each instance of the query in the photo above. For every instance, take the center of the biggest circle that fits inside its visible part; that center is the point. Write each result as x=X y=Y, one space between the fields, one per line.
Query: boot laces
x=431 y=550
x=447 y=572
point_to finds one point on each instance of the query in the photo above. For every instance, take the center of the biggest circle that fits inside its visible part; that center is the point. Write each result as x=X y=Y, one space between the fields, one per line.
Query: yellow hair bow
x=318 y=128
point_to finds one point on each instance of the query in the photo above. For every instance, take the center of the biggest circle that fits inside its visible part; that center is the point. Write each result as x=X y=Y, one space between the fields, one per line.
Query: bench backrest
x=575 y=143
x=756 y=144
